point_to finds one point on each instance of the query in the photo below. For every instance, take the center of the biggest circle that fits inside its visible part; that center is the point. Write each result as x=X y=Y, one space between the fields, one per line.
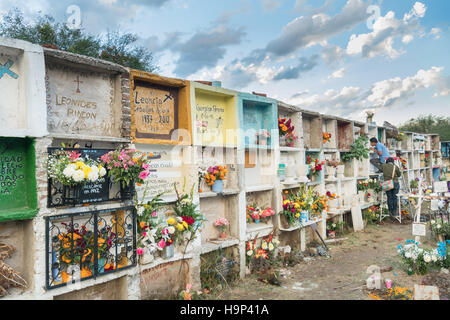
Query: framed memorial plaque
x=155 y=110
x=160 y=109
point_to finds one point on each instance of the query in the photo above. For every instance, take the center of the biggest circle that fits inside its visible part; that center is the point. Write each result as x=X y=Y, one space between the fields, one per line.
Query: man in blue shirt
x=381 y=150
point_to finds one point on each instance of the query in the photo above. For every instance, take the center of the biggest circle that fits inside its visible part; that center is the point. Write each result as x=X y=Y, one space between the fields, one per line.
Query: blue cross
x=5 y=69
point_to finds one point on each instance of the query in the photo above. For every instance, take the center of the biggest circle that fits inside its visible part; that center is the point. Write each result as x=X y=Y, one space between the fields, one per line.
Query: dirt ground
x=343 y=275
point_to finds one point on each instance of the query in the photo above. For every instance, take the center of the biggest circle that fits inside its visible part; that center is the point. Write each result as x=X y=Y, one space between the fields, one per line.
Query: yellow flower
x=87 y=170
x=296 y=205
x=297 y=215
x=180 y=227
x=80 y=164
x=171 y=221
x=185 y=225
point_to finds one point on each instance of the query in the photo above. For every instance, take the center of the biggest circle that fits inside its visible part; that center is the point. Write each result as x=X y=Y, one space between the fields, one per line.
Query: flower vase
x=167 y=252
x=223 y=235
x=101 y=265
x=304 y=217
x=340 y=171
x=256 y=221
x=217 y=187
x=332 y=234
x=127 y=192
x=283 y=142
x=147 y=257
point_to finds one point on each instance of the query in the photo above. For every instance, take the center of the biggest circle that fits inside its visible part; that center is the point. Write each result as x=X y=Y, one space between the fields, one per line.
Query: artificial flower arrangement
x=156 y=234
x=427 y=159
x=189 y=294
x=127 y=166
x=364 y=185
x=404 y=162
x=296 y=205
x=315 y=165
x=256 y=214
x=266 y=250
x=184 y=207
x=286 y=131
x=401 y=136
x=418 y=260
x=372 y=215
x=440 y=228
x=320 y=204
x=222 y=224
x=326 y=137
x=75 y=247
x=414 y=184
x=71 y=169
x=214 y=173
x=332 y=196
x=262 y=137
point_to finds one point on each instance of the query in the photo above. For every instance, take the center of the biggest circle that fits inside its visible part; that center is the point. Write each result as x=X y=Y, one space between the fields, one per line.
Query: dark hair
x=390 y=160
x=374 y=140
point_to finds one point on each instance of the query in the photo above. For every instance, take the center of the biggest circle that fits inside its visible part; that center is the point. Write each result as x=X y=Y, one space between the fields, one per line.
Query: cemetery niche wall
x=160 y=109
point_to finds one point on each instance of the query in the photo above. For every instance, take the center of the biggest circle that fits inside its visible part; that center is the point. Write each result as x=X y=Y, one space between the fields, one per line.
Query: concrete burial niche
x=172 y=165
x=84 y=96
x=164 y=281
x=111 y=290
x=22 y=87
x=329 y=125
x=312 y=130
x=214 y=115
x=160 y=109
x=345 y=134
x=18 y=195
x=256 y=114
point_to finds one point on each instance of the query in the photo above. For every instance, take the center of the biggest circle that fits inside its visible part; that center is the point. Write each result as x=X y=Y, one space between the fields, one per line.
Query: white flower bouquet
x=71 y=169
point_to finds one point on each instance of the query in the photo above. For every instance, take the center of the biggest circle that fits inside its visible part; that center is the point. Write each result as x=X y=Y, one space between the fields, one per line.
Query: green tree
x=115 y=46
x=429 y=124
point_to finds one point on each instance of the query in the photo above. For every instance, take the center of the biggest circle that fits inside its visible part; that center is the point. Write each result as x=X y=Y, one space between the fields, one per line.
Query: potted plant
x=73 y=171
x=358 y=150
x=222 y=224
x=214 y=177
x=127 y=166
x=332 y=227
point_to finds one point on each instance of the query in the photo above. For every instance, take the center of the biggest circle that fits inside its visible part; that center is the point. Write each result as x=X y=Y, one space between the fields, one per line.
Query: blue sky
x=320 y=55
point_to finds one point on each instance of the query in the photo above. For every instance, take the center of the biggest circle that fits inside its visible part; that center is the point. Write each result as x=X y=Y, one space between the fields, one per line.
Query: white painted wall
x=23 y=110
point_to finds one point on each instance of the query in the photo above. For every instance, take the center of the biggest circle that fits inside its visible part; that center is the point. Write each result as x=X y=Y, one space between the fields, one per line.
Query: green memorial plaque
x=18 y=195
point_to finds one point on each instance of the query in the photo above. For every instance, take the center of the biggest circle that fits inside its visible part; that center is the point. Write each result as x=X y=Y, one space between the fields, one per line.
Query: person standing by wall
x=382 y=152
x=389 y=174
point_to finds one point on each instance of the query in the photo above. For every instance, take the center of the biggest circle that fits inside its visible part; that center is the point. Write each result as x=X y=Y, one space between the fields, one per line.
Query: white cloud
x=383 y=94
x=436 y=32
x=385 y=30
x=337 y=74
x=418 y=10
x=388 y=92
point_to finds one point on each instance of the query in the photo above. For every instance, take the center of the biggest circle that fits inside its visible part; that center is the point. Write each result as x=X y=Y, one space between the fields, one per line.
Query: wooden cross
x=78 y=84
